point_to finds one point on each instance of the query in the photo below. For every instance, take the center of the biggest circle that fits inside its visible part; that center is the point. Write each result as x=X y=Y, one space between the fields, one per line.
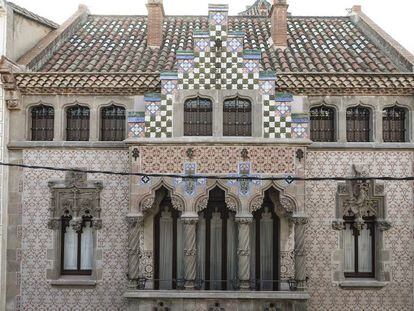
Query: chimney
x=278 y=16
x=155 y=21
x=357 y=9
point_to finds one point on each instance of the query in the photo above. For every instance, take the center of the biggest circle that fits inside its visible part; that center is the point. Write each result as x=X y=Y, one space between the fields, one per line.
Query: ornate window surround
x=79 y=197
x=363 y=198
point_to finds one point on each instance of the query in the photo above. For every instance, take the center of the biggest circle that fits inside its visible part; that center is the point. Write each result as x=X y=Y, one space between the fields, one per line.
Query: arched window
x=77 y=246
x=393 y=124
x=216 y=235
x=168 y=248
x=359 y=247
x=113 y=123
x=77 y=123
x=322 y=120
x=43 y=118
x=198 y=117
x=265 y=247
x=358 y=124
x=237 y=117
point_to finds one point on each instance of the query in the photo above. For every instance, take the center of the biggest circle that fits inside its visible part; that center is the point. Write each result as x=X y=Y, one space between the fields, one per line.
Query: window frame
x=276 y=246
x=65 y=223
x=47 y=130
x=118 y=132
x=242 y=118
x=389 y=133
x=76 y=134
x=368 y=220
x=356 y=134
x=332 y=129
x=156 y=237
x=194 y=115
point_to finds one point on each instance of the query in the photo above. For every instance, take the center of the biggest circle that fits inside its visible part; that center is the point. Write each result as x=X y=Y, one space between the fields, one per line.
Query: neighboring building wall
x=36 y=292
x=322 y=241
x=3 y=157
x=26 y=34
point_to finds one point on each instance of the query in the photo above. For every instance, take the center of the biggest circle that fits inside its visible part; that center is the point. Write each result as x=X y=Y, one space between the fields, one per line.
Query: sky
x=395 y=17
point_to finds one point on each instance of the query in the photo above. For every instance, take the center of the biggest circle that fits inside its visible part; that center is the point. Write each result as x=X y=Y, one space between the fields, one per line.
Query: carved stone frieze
x=287 y=204
x=256 y=203
x=147 y=203
x=177 y=203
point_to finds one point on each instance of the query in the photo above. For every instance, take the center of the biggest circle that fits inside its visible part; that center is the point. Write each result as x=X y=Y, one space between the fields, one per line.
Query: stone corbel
x=13 y=99
x=338 y=224
x=298 y=219
x=383 y=225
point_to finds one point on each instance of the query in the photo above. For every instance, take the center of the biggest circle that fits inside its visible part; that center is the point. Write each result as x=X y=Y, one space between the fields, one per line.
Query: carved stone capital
x=383 y=225
x=338 y=224
x=97 y=223
x=287 y=204
x=243 y=252
x=299 y=219
x=190 y=252
x=244 y=220
x=189 y=220
x=54 y=224
x=256 y=203
x=134 y=219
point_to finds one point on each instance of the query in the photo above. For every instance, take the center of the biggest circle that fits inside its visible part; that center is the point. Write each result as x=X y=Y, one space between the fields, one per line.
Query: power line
x=146 y=177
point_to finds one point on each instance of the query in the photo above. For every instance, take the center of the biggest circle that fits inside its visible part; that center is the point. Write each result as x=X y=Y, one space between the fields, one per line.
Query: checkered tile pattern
x=276 y=124
x=158 y=122
x=219 y=70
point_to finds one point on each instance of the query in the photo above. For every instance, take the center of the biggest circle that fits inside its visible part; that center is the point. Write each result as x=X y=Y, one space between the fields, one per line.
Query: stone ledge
x=358 y=284
x=74 y=281
x=67 y=144
x=252 y=295
x=199 y=140
x=371 y=145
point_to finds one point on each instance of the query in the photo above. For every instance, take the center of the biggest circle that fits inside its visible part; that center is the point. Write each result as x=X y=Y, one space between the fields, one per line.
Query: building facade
x=217 y=120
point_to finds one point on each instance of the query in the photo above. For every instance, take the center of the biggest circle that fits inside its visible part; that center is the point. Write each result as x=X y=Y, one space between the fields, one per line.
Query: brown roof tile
x=315 y=44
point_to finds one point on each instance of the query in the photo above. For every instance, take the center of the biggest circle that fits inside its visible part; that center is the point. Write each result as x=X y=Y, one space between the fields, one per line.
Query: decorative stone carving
x=360 y=198
x=147 y=203
x=383 y=225
x=287 y=204
x=190 y=251
x=177 y=203
x=80 y=198
x=231 y=203
x=202 y=204
x=256 y=203
x=338 y=224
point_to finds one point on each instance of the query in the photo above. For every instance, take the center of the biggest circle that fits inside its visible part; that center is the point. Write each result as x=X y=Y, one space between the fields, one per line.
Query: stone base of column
x=189 y=285
x=244 y=285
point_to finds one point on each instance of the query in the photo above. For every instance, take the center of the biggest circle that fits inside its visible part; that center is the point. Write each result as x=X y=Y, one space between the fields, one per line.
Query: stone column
x=300 y=222
x=135 y=236
x=190 y=250
x=243 y=251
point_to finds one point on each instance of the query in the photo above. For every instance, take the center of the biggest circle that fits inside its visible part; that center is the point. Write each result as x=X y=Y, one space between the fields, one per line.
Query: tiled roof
x=33 y=16
x=139 y=83
x=315 y=44
x=259 y=8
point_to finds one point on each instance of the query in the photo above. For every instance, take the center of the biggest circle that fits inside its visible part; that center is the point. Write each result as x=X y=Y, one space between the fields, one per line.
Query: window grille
x=42 y=123
x=358 y=124
x=322 y=124
x=393 y=130
x=198 y=116
x=77 y=123
x=113 y=123
x=237 y=117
